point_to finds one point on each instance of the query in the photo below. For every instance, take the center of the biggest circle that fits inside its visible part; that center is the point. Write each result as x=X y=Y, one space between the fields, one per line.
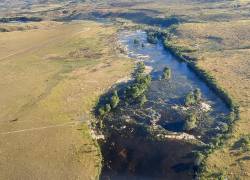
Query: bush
x=142 y=99
x=114 y=100
x=190 y=122
x=193 y=97
x=101 y=111
x=197 y=95
x=136 y=42
x=140 y=68
x=152 y=37
x=245 y=143
x=166 y=73
x=199 y=157
x=138 y=88
x=108 y=108
x=189 y=100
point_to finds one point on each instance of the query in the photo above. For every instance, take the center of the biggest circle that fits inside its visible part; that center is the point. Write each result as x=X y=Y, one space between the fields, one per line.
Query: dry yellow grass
x=46 y=94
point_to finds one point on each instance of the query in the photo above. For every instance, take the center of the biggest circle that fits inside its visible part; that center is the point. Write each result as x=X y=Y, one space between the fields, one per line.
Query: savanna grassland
x=51 y=77
x=52 y=73
x=222 y=49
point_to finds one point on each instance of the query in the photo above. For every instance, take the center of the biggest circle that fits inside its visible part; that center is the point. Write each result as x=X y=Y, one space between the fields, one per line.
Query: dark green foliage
x=166 y=73
x=108 y=108
x=140 y=86
x=190 y=122
x=101 y=111
x=140 y=68
x=3 y=30
x=190 y=100
x=193 y=97
x=142 y=99
x=109 y=104
x=220 y=176
x=198 y=158
x=152 y=37
x=244 y=143
x=197 y=95
x=21 y=19
x=114 y=100
x=136 y=42
x=136 y=91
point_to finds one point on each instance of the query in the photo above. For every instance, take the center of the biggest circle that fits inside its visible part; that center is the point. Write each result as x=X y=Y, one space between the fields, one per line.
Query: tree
x=107 y=108
x=197 y=95
x=114 y=100
x=198 y=158
x=166 y=73
x=142 y=99
x=136 y=42
x=189 y=100
x=101 y=111
x=193 y=97
x=140 y=68
x=152 y=37
x=190 y=122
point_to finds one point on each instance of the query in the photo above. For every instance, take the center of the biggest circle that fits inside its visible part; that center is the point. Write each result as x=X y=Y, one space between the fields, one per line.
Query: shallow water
x=183 y=78
x=128 y=153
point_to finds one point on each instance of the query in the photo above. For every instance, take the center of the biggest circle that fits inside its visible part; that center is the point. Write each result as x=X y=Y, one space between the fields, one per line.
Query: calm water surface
x=128 y=153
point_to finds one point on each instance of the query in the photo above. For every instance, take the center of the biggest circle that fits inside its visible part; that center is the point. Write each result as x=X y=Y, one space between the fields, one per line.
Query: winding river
x=129 y=152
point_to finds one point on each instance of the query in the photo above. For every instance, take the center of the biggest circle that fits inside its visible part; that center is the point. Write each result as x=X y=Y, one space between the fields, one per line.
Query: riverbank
x=216 y=80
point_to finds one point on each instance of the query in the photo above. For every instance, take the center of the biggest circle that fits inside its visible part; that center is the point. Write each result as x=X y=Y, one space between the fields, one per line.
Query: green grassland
x=51 y=78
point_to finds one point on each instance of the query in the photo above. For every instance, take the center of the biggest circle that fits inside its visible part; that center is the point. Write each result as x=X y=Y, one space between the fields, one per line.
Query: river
x=129 y=151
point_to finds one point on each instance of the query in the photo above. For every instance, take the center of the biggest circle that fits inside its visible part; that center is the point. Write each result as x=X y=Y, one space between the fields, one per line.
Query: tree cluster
x=137 y=90
x=111 y=104
x=193 y=97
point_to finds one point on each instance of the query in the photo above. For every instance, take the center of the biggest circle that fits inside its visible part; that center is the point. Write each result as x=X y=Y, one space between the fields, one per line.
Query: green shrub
x=166 y=73
x=199 y=157
x=193 y=97
x=136 y=42
x=101 y=111
x=152 y=37
x=189 y=100
x=197 y=95
x=140 y=68
x=190 y=122
x=114 y=100
x=108 y=108
x=142 y=100
x=244 y=143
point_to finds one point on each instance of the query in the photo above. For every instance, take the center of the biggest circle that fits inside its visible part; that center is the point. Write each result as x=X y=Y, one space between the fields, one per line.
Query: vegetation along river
x=177 y=115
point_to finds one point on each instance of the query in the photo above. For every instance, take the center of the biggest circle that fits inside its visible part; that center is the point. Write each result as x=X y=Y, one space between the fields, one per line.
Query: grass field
x=50 y=78
x=223 y=49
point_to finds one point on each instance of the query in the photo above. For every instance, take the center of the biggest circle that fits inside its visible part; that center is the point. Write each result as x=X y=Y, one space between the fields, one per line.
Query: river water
x=129 y=151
